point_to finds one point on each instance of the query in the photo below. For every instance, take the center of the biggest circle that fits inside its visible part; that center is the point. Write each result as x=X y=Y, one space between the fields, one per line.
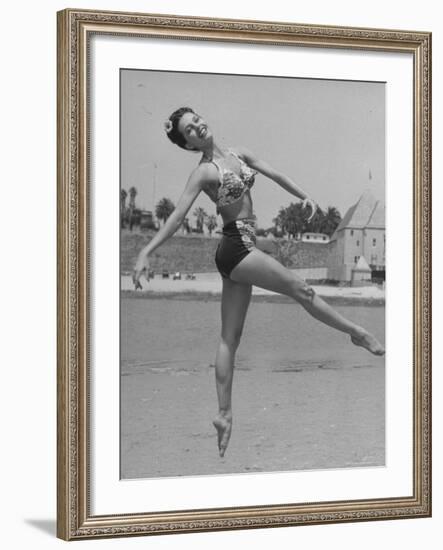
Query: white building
x=361 y=233
x=320 y=238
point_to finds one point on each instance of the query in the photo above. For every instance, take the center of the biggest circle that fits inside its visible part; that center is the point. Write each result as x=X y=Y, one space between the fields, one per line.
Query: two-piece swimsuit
x=239 y=235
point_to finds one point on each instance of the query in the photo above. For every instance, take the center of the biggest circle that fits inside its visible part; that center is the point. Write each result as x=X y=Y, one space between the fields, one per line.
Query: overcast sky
x=328 y=136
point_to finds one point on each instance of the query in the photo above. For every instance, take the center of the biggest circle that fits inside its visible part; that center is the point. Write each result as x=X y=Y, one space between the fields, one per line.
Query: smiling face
x=195 y=131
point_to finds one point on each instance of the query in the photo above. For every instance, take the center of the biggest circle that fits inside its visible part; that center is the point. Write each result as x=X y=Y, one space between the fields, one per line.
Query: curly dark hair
x=174 y=134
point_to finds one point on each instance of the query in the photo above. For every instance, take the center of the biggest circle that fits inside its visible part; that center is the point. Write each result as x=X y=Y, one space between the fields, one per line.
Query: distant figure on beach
x=227 y=176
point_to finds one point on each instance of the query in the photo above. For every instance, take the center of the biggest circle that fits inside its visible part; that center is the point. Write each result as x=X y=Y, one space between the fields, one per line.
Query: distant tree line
x=129 y=214
x=165 y=207
x=290 y=220
x=293 y=219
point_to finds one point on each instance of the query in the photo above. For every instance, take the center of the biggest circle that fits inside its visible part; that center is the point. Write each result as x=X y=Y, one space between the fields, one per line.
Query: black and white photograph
x=252 y=262
x=218 y=328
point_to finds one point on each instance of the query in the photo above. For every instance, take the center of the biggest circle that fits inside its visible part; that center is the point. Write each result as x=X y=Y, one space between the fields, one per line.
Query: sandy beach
x=211 y=284
x=304 y=397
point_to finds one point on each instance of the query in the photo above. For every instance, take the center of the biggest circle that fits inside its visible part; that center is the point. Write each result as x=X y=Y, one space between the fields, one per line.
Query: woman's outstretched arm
x=281 y=179
x=173 y=223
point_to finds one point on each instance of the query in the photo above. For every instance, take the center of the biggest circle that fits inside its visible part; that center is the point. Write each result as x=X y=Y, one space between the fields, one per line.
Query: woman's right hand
x=141 y=266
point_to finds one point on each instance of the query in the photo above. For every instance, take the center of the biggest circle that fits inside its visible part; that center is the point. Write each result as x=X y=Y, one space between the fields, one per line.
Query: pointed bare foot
x=223 y=425
x=366 y=340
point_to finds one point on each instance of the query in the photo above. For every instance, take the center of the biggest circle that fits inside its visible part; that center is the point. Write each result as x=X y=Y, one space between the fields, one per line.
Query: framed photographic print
x=244 y=248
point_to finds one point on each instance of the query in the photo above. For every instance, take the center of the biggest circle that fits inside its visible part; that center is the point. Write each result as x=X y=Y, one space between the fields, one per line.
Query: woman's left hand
x=312 y=204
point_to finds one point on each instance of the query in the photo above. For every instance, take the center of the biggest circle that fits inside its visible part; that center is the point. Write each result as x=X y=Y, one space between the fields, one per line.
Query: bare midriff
x=238 y=210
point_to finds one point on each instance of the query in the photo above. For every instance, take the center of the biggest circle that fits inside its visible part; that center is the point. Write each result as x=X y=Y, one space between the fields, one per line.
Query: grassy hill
x=196 y=253
x=179 y=253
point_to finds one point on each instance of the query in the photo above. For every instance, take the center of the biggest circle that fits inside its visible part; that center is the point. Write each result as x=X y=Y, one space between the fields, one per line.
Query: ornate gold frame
x=75 y=28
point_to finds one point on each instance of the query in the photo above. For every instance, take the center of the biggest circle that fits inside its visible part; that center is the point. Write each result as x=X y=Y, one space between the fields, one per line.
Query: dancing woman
x=227 y=176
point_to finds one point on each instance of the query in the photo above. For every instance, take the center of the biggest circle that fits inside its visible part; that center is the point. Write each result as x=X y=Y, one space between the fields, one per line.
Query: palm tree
x=292 y=219
x=211 y=223
x=296 y=219
x=186 y=225
x=278 y=221
x=123 y=195
x=331 y=220
x=164 y=209
x=132 y=195
x=201 y=216
x=281 y=221
x=317 y=223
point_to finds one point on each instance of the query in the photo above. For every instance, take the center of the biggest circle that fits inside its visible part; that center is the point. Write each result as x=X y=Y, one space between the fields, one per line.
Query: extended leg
x=234 y=306
x=264 y=271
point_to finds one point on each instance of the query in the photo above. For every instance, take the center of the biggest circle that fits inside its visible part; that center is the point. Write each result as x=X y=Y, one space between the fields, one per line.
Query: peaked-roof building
x=361 y=233
x=367 y=212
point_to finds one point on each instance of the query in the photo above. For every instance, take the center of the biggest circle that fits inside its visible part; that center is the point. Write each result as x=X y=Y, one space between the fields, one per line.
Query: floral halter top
x=233 y=186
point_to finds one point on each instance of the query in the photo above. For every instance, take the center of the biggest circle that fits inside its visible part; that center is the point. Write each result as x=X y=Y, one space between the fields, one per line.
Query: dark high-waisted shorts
x=237 y=241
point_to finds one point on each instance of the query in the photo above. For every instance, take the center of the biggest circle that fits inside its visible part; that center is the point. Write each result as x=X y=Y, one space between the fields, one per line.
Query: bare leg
x=234 y=306
x=259 y=269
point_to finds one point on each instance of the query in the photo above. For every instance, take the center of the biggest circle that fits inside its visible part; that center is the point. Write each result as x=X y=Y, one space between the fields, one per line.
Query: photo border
x=75 y=29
